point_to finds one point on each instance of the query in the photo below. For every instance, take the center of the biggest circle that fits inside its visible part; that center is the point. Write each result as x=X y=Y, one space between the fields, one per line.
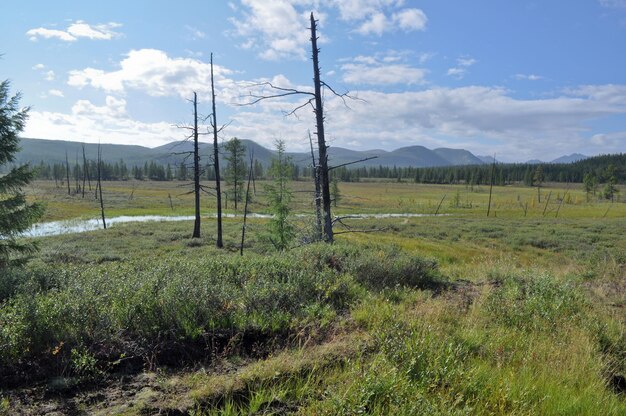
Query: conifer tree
x=236 y=168
x=16 y=214
x=281 y=231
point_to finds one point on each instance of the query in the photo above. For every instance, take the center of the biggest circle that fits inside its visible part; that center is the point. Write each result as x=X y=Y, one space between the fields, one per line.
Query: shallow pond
x=46 y=229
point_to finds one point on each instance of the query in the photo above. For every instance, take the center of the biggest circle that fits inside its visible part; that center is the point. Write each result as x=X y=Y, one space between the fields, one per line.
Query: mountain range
x=54 y=151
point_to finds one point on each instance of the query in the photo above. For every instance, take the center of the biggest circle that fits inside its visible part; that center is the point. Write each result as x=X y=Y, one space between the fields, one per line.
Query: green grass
x=455 y=314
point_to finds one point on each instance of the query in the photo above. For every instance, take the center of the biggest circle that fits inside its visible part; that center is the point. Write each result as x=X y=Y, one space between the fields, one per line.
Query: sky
x=521 y=79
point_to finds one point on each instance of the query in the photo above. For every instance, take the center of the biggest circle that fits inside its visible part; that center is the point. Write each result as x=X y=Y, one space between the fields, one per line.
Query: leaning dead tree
x=104 y=223
x=315 y=101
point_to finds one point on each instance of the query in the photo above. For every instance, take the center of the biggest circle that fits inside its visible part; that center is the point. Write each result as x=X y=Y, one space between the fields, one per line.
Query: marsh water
x=46 y=229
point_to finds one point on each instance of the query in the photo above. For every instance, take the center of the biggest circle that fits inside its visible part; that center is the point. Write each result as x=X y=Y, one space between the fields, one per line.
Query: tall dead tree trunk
x=245 y=208
x=216 y=163
x=318 y=193
x=84 y=171
x=67 y=173
x=321 y=141
x=493 y=168
x=77 y=175
x=104 y=223
x=196 y=168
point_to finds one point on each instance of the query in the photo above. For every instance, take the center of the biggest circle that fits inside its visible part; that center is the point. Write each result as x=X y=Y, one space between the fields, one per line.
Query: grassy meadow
x=522 y=312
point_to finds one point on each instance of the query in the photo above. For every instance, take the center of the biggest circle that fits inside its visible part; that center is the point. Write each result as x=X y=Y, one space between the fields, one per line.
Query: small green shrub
x=534 y=302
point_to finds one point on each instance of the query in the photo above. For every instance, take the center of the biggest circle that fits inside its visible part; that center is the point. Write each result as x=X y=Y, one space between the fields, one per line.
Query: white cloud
x=377 y=24
x=90 y=123
x=76 y=30
x=462 y=64
x=56 y=93
x=195 y=33
x=614 y=140
x=154 y=73
x=431 y=117
x=278 y=28
x=80 y=29
x=382 y=69
x=382 y=74
x=38 y=67
x=435 y=117
x=361 y=9
x=41 y=32
x=407 y=20
x=616 y=4
x=50 y=75
x=528 y=77
x=456 y=72
x=410 y=19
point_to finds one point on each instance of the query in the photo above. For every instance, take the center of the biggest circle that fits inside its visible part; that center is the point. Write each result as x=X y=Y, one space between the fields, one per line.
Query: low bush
x=145 y=306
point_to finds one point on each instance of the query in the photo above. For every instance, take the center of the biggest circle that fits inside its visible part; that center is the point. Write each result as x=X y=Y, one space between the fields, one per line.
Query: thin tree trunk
x=546 y=205
x=439 y=206
x=321 y=141
x=560 y=203
x=84 y=171
x=493 y=168
x=196 y=168
x=216 y=163
x=67 y=174
x=245 y=208
x=104 y=223
x=76 y=176
x=318 y=196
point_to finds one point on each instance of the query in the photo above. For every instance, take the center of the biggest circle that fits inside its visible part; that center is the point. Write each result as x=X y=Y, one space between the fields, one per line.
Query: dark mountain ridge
x=35 y=151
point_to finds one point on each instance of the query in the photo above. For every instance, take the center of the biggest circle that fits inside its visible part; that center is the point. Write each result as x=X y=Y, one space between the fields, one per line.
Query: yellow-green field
x=516 y=313
x=153 y=198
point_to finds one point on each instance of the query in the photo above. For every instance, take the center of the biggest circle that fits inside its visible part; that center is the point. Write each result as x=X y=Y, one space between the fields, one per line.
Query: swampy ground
x=522 y=312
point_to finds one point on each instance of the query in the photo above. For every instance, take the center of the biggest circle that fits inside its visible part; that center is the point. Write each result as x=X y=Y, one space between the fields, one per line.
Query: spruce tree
x=16 y=214
x=236 y=168
x=281 y=230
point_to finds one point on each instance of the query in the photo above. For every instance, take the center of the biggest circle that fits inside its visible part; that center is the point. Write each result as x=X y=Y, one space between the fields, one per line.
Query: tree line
x=504 y=174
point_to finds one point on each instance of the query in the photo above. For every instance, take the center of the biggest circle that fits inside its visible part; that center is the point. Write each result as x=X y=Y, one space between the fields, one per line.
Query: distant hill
x=574 y=157
x=487 y=159
x=458 y=156
x=53 y=151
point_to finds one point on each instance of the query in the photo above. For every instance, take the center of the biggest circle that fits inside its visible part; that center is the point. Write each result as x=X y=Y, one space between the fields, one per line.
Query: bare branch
x=282 y=92
x=352 y=163
x=377 y=230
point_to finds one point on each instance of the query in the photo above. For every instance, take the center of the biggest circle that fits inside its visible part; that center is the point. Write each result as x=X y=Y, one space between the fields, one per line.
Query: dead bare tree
x=439 y=206
x=315 y=100
x=104 y=223
x=196 y=169
x=545 y=207
x=216 y=162
x=85 y=171
x=193 y=135
x=318 y=193
x=245 y=208
x=493 y=169
x=67 y=173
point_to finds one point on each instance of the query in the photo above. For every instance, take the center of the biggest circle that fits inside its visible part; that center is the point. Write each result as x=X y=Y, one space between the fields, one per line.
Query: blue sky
x=523 y=79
